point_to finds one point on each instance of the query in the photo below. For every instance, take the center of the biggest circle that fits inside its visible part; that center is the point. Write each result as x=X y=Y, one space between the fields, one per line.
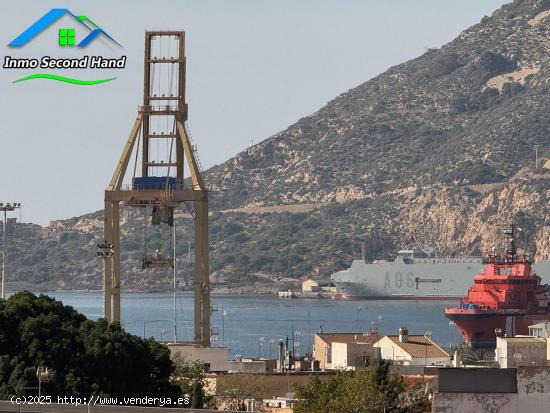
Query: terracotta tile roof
x=420 y=346
x=368 y=338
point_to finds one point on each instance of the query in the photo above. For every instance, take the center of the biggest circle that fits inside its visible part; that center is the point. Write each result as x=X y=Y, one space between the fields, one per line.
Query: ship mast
x=511 y=250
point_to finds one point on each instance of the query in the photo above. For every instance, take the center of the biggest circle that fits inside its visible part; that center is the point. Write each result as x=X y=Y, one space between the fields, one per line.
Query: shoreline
x=213 y=291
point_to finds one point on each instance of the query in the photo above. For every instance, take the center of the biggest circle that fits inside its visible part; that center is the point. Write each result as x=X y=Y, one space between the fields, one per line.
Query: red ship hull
x=478 y=328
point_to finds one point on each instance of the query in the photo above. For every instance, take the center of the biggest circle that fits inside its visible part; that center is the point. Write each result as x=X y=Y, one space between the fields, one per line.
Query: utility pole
x=6 y=208
x=537 y=157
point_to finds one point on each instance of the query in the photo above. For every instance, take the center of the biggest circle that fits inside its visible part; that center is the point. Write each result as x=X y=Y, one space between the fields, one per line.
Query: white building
x=310 y=286
x=412 y=350
x=520 y=351
x=346 y=356
x=540 y=330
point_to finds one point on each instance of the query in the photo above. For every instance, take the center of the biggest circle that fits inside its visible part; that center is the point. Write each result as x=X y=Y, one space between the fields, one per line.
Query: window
x=66 y=37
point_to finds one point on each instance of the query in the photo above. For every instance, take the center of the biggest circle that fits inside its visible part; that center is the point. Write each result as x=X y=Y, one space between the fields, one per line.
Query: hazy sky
x=253 y=68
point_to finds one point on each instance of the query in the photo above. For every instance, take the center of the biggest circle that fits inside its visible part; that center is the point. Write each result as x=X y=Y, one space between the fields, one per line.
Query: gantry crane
x=161 y=186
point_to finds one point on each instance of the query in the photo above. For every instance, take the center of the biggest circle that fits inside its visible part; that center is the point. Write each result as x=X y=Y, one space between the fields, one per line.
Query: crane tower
x=158 y=183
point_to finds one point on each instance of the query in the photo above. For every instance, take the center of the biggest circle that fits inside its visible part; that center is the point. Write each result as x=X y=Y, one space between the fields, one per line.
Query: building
x=323 y=348
x=540 y=330
x=280 y=404
x=412 y=350
x=347 y=356
x=306 y=364
x=520 y=351
x=286 y=294
x=252 y=365
x=310 y=286
x=214 y=359
x=267 y=389
x=525 y=389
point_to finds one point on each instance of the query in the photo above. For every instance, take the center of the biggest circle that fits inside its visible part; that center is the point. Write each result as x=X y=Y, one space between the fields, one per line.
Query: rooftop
x=524 y=339
x=368 y=338
x=420 y=346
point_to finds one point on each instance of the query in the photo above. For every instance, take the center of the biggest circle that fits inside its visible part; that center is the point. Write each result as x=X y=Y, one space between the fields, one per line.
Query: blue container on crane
x=155 y=182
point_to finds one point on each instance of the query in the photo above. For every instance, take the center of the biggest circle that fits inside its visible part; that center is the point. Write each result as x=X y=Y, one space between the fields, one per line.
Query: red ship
x=506 y=298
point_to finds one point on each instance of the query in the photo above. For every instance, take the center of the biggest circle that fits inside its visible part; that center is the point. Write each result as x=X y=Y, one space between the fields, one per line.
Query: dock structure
x=162 y=187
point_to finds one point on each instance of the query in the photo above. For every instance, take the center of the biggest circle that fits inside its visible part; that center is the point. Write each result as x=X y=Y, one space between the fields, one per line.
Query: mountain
x=467 y=113
x=436 y=152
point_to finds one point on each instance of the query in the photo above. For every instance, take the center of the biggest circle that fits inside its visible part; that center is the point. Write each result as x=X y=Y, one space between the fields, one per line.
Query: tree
x=474 y=355
x=189 y=377
x=88 y=357
x=197 y=396
x=494 y=64
x=234 y=389
x=445 y=64
x=415 y=399
x=371 y=389
x=348 y=392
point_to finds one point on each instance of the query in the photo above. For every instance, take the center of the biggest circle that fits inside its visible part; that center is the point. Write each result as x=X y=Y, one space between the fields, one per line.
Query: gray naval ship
x=414 y=275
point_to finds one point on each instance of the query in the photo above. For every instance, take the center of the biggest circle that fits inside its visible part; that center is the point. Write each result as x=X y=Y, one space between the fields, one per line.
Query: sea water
x=250 y=325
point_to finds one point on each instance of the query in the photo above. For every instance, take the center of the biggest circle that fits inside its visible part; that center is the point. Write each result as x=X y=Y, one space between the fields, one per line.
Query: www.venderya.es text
x=106 y=401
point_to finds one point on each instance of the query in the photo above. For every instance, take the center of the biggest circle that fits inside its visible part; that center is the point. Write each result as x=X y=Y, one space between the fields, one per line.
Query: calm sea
x=251 y=324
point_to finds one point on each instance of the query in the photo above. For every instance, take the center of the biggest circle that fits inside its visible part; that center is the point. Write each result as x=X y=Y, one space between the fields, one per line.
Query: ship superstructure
x=414 y=274
x=506 y=297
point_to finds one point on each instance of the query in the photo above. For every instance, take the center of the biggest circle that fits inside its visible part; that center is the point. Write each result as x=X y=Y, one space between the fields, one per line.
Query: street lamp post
x=6 y=208
x=271 y=342
x=224 y=315
x=451 y=325
x=427 y=336
x=43 y=374
x=260 y=344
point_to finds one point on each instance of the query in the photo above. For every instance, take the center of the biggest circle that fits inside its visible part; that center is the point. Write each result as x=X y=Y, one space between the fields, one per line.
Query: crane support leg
x=107 y=263
x=116 y=260
x=202 y=281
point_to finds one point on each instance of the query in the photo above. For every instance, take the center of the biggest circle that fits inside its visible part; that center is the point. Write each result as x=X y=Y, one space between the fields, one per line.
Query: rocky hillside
x=437 y=152
x=467 y=113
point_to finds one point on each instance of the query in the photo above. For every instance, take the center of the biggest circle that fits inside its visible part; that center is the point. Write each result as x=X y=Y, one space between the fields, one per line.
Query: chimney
x=457 y=359
x=403 y=335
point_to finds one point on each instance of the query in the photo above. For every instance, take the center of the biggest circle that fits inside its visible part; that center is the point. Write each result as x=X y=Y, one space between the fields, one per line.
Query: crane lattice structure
x=160 y=123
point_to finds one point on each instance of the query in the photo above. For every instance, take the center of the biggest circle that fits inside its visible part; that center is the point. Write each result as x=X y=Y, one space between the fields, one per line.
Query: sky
x=253 y=68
